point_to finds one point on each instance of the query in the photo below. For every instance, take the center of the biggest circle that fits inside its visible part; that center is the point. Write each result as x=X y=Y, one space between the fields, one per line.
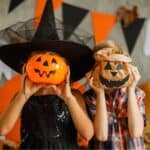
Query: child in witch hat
x=51 y=114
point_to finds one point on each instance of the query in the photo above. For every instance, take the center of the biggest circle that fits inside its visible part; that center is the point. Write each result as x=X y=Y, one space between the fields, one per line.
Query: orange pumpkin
x=48 y=68
x=112 y=69
x=112 y=75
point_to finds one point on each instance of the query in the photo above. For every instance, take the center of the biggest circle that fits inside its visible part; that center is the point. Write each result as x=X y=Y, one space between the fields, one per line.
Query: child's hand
x=63 y=90
x=66 y=89
x=136 y=76
x=28 y=87
x=89 y=78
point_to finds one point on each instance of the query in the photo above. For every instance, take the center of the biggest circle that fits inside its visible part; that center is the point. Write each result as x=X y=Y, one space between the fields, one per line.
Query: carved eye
x=38 y=59
x=119 y=67
x=54 y=61
x=108 y=66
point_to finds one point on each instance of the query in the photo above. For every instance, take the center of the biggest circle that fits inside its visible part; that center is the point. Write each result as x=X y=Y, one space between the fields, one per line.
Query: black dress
x=46 y=124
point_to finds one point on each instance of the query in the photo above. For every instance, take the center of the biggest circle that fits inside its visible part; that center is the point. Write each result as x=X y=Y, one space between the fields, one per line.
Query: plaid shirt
x=118 y=137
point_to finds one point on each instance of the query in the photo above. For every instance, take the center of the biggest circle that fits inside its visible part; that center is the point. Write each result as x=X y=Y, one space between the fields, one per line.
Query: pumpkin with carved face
x=112 y=74
x=112 y=69
x=48 y=68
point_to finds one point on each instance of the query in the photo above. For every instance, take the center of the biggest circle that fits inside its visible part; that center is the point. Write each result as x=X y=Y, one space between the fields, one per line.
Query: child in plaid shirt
x=118 y=114
x=115 y=127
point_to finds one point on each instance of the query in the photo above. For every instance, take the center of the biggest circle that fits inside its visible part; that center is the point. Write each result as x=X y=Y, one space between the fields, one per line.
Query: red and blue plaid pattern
x=118 y=138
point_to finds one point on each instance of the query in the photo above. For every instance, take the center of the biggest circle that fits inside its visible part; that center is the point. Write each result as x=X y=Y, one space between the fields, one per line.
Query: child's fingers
x=91 y=82
x=24 y=80
x=67 y=79
x=68 y=76
x=135 y=72
x=89 y=75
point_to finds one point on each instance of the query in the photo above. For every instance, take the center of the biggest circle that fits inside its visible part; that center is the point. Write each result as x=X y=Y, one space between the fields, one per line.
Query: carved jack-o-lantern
x=48 y=68
x=112 y=74
x=112 y=69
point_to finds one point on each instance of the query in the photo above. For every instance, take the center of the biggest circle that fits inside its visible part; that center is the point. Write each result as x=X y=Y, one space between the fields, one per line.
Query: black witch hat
x=47 y=37
x=78 y=56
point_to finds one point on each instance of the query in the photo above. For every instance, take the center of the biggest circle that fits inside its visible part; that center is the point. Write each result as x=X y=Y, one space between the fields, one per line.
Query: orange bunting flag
x=102 y=25
x=57 y=4
x=40 y=5
x=7 y=91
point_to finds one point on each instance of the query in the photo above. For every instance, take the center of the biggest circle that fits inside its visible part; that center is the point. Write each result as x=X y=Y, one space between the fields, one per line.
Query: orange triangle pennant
x=102 y=25
x=57 y=4
x=7 y=91
x=40 y=5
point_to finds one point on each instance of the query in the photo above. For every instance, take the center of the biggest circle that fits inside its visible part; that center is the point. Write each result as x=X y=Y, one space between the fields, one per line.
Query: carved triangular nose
x=114 y=73
x=45 y=63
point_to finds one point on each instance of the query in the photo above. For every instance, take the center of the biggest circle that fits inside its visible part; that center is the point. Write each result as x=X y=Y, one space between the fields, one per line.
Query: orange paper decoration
x=102 y=25
x=7 y=91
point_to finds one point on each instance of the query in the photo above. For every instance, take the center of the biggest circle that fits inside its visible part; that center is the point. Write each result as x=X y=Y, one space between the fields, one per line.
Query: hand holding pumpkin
x=45 y=74
x=63 y=90
x=66 y=90
x=94 y=85
x=136 y=76
x=28 y=87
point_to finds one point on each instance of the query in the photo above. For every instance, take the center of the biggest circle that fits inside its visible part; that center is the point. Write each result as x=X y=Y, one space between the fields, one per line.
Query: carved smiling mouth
x=47 y=74
x=111 y=84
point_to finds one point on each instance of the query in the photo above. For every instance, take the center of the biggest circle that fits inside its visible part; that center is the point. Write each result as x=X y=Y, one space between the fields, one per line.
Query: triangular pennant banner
x=40 y=5
x=131 y=33
x=72 y=16
x=46 y=29
x=102 y=25
x=7 y=91
x=13 y=4
x=57 y=3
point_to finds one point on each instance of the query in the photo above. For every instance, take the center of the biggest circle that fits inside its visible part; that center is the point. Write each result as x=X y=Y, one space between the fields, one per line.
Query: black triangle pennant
x=131 y=32
x=47 y=27
x=13 y=4
x=72 y=16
